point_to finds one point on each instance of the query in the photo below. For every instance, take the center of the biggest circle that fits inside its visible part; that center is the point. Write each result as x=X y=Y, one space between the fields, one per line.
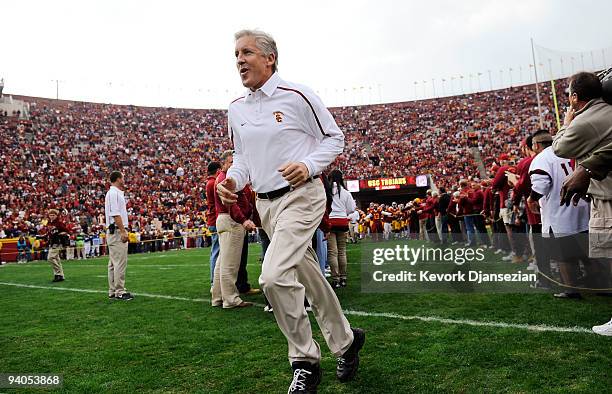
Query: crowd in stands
x=61 y=156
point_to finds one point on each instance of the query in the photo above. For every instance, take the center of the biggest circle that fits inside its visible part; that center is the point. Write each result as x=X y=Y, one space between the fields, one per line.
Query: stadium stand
x=61 y=155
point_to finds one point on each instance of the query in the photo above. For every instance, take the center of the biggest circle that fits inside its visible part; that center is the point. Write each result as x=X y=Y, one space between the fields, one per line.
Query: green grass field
x=181 y=344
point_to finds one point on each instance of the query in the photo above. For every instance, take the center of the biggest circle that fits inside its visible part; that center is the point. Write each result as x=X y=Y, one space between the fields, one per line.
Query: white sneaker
x=532 y=267
x=508 y=257
x=268 y=309
x=498 y=251
x=604 y=329
x=327 y=274
x=308 y=308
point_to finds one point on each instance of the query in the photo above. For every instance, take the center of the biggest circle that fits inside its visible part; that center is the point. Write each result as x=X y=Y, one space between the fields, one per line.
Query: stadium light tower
x=479 y=86
x=56 y=88
x=490 y=80
x=443 y=90
x=535 y=70
x=433 y=86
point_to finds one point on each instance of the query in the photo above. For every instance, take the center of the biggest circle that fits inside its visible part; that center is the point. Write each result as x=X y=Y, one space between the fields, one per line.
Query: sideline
x=528 y=327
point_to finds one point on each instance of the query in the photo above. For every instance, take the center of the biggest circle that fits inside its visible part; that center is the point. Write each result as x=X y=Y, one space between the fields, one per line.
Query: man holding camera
x=587 y=127
x=57 y=233
x=116 y=223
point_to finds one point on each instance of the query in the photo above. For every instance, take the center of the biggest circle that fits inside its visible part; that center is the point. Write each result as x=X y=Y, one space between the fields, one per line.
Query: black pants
x=500 y=237
x=542 y=255
x=481 y=229
x=242 y=281
x=432 y=231
x=455 y=228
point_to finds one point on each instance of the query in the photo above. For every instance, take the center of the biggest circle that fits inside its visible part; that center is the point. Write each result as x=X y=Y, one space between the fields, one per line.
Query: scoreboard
x=404 y=182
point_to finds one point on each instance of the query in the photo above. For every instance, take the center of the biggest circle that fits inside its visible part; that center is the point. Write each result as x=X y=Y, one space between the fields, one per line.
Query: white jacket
x=342 y=204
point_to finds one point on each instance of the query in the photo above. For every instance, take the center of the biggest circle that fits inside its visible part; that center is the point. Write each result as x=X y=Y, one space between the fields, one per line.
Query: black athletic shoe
x=125 y=297
x=342 y=282
x=306 y=378
x=336 y=284
x=349 y=362
x=111 y=296
x=58 y=278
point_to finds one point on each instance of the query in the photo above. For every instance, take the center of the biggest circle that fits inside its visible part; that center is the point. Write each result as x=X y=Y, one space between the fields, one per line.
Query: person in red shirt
x=500 y=184
x=242 y=281
x=431 y=210
x=476 y=197
x=454 y=216
x=522 y=188
x=232 y=223
x=56 y=232
x=211 y=214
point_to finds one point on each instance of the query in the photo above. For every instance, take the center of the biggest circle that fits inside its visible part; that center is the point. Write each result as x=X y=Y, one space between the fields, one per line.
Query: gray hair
x=227 y=154
x=264 y=42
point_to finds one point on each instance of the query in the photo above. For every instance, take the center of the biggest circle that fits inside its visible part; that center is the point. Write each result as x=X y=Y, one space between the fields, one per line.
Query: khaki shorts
x=506 y=215
x=600 y=229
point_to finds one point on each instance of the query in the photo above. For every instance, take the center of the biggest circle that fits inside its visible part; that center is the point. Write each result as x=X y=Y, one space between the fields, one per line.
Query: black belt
x=280 y=192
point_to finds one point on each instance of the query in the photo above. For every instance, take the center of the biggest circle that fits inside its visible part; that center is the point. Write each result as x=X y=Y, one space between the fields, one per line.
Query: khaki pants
x=290 y=272
x=117 y=264
x=423 y=236
x=600 y=229
x=54 y=259
x=231 y=240
x=336 y=254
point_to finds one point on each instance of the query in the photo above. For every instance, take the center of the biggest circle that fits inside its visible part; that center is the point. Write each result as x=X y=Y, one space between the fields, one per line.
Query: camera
x=605 y=77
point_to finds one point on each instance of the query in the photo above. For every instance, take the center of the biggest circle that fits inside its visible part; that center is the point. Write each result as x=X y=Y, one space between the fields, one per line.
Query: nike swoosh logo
x=242 y=124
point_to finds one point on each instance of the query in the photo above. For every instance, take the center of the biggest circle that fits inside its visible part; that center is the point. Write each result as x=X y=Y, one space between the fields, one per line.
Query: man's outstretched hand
x=227 y=191
x=575 y=187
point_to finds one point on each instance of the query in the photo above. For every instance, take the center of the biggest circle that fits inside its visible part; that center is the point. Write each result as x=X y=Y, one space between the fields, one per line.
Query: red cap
x=503 y=156
x=494 y=167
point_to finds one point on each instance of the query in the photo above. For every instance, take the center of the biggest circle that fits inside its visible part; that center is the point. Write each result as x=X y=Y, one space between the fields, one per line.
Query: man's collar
x=589 y=104
x=269 y=87
x=120 y=191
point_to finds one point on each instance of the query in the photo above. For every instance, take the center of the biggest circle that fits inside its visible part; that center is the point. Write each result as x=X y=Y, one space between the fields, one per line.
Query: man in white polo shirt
x=283 y=138
x=116 y=223
x=563 y=228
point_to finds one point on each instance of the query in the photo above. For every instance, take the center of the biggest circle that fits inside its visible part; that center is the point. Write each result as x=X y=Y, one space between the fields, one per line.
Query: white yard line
x=394 y=316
